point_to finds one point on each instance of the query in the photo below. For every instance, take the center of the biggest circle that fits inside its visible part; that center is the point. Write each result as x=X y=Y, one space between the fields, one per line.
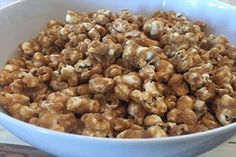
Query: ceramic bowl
x=22 y=20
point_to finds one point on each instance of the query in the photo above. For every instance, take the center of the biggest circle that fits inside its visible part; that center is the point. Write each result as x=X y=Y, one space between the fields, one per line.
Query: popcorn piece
x=125 y=84
x=71 y=56
x=223 y=75
x=114 y=70
x=200 y=107
x=170 y=101
x=131 y=79
x=104 y=53
x=209 y=121
x=157 y=132
x=68 y=73
x=185 y=102
x=225 y=88
x=137 y=111
x=101 y=85
x=82 y=105
x=121 y=26
x=71 y=91
x=73 y=17
x=198 y=76
x=178 y=85
x=39 y=60
x=180 y=129
x=83 y=89
x=186 y=116
x=17 y=105
x=122 y=92
x=137 y=19
x=102 y=16
x=96 y=125
x=44 y=73
x=139 y=56
x=86 y=68
x=154 y=27
x=134 y=134
x=59 y=122
x=150 y=87
x=29 y=48
x=121 y=124
x=225 y=109
x=147 y=72
x=152 y=120
x=155 y=106
x=164 y=70
x=207 y=92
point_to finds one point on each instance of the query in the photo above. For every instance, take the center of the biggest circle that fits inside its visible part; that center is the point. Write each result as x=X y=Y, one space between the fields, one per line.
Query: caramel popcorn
x=198 y=76
x=154 y=27
x=101 y=85
x=125 y=84
x=121 y=75
x=209 y=121
x=44 y=73
x=82 y=105
x=130 y=133
x=114 y=70
x=30 y=48
x=152 y=104
x=225 y=109
x=137 y=111
x=164 y=70
x=157 y=131
x=104 y=53
x=86 y=68
x=139 y=56
x=96 y=125
x=178 y=85
x=147 y=72
x=152 y=120
x=68 y=74
x=56 y=121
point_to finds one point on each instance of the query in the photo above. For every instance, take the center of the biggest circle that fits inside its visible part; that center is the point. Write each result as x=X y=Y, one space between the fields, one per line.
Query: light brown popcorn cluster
x=121 y=75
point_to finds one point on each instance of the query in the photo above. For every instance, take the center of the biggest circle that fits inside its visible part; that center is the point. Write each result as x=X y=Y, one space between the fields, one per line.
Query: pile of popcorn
x=121 y=75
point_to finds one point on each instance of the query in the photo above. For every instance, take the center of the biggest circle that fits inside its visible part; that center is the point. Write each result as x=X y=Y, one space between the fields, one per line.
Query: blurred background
x=5 y=2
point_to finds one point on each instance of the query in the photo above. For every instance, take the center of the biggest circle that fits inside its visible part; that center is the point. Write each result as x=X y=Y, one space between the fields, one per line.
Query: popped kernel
x=154 y=27
x=82 y=105
x=152 y=120
x=139 y=56
x=137 y=111
x=134 y=134
x=157 y=132
x=225 y=109
x=178 y=85
x=96 y=125
x=101 y=85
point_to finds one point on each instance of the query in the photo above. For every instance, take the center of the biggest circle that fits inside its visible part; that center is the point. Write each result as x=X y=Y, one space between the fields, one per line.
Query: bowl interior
x=22 y=20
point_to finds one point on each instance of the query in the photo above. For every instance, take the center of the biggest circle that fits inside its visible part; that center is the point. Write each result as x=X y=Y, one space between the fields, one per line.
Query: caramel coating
x=121 y=75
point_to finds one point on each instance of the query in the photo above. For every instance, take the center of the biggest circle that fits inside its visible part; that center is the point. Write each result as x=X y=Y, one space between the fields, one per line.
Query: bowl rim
x=5 y=118
x=219 y=2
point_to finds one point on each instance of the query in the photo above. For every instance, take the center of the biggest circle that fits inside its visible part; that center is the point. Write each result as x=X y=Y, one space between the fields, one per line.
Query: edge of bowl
x=5 y=118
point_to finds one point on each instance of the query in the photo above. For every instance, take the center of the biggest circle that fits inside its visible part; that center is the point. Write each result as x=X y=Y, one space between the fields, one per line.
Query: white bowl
x=24 y=19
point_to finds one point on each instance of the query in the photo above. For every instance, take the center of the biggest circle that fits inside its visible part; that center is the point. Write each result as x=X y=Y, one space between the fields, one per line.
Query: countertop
x=226 y=149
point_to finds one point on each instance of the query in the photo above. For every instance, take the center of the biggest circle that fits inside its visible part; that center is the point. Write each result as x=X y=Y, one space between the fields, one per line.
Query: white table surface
x=227 y=149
